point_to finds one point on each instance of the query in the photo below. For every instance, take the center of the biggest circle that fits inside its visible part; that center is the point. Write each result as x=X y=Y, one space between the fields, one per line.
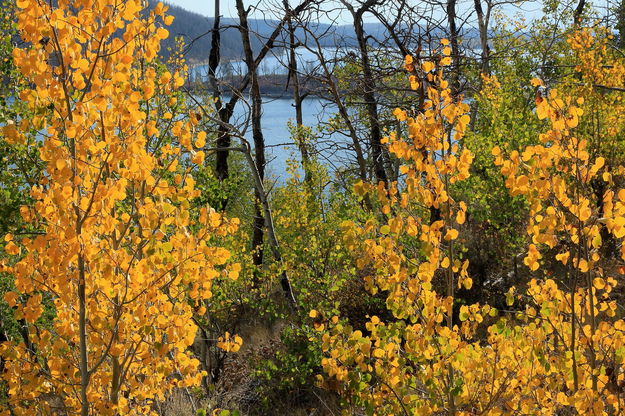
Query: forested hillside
x=195 y=31
x=449 y=238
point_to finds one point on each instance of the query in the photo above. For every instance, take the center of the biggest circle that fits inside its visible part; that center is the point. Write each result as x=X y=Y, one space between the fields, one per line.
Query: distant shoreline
x=273 y=86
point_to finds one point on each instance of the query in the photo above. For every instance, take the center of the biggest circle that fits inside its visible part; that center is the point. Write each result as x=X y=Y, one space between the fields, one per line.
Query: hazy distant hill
x=195 y=29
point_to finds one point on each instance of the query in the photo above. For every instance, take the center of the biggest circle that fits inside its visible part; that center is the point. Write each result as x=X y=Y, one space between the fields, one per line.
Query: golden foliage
x=118 y=246
x=561 y=348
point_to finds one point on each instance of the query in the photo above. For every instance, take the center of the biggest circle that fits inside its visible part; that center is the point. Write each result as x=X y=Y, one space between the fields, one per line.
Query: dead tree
x=293 y=80
x=324 y=75
x=368 y=87
x=257 y=133
x=482 y=23
x=225 y=109
x=578 y=13
x=455 y=50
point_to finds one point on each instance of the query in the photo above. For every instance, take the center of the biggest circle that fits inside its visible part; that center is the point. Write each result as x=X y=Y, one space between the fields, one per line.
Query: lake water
x=277 y=112
x=333 y=149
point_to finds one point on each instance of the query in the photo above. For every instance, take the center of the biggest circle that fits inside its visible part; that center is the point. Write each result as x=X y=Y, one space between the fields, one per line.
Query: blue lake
x=277 y=112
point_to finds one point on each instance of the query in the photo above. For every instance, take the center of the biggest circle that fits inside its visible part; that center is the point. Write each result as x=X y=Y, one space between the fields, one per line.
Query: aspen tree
x=120 y=260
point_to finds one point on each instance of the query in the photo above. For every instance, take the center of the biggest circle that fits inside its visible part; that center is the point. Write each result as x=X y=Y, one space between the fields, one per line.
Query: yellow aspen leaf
x=510 y=296
x=400 y=114
x=563 y=257
x=12 y=249
x=82 y=64
x=427 y=66
x=228 y=343
x=445 y=263
x=542 y=110
x=70 y=132
x=234 y=271
x=460 y=217
x=408 y=60
x=162 y=33
x=11 y=299
x=536 y=82
x=583 y=265
x=198 y=158
x=451 y=234
x=599 y=163
x=159 y=9
x=532 y=264
x=200 y=141
x=10 y=132
x=360 y=188
x=464 y=313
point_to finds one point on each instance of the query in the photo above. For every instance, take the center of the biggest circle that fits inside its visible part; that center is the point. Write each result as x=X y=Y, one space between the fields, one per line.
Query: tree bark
x=214 y=58
x=577 y=14
x=368 y=86
x=455 y=54
x=268 y=217
x=333 y=88
x=225 y=111
x=82 y=335
x=620 y=25
x=293 y=78
x=257 y=132
x=482 y=22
